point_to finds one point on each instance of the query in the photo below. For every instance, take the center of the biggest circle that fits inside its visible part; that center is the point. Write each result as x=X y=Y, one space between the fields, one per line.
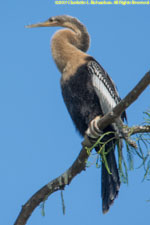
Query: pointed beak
x=47 y=23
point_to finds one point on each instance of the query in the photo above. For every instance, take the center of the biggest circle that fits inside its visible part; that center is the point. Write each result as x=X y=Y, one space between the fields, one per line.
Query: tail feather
x=110 y=182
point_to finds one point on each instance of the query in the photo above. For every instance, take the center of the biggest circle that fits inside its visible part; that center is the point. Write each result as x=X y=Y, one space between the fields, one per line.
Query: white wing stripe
x=106 y=100
x=104 y=87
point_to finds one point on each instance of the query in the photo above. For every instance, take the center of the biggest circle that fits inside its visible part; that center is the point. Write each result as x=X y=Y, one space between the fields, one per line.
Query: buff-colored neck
x=69 y=45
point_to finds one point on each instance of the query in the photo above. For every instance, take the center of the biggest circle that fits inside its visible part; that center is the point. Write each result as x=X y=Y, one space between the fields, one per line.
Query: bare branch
x=80 y=163
x=57 y=184
x=139 y=129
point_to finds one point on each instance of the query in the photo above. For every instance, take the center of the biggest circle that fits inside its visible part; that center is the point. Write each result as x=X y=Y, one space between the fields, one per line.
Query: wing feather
x=104 y=87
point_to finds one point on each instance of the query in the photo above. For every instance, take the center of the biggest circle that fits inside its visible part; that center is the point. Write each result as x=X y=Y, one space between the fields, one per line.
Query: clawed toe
x=93 y=130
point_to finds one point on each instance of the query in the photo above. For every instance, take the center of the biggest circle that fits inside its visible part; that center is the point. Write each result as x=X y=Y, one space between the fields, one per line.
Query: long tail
x=110 y=182
x=110 y=176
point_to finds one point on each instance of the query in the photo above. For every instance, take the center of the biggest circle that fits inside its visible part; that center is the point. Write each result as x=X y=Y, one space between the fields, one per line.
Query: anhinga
x=88 y=91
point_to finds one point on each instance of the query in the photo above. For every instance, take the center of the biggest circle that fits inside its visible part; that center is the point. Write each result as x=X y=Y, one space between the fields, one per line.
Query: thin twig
x=139 y=129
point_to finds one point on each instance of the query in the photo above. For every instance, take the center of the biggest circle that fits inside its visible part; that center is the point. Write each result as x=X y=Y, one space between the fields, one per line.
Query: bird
x=88 y=92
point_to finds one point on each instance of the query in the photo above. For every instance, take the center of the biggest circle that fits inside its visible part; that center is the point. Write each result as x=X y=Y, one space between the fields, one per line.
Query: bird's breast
x=80 y=97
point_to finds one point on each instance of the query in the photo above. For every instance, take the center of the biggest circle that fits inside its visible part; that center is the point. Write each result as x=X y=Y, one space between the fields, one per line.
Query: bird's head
x=56 y=21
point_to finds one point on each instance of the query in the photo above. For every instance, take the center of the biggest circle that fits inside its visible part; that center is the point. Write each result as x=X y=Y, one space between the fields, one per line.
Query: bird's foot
x=93 y=130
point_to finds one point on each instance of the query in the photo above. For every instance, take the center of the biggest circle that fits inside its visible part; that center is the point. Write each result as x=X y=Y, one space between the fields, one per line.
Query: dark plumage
x=81 y=99
x=87 y=89
x=83 y=105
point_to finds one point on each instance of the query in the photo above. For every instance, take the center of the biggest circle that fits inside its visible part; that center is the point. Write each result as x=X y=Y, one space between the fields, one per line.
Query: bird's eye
x=51 y=19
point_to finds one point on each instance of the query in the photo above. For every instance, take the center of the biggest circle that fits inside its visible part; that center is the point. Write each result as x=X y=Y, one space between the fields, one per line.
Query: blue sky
x=37 y=138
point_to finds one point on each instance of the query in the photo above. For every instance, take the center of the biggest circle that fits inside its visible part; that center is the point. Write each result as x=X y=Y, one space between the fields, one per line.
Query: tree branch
x=80 y=163
x=139 y=129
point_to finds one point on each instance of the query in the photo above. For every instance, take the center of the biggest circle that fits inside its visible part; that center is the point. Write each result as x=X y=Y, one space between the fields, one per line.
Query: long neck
x=69 y=43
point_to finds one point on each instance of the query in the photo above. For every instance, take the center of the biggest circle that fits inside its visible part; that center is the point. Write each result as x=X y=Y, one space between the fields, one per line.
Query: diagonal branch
x=57 y=184
x=80 y=163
